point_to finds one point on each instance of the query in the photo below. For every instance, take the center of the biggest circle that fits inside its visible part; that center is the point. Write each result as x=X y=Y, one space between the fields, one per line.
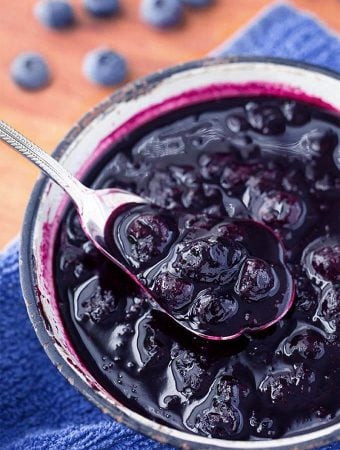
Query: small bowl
x=88 y=142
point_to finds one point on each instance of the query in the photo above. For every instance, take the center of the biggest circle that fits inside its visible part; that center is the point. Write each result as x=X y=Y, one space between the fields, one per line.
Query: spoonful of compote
x=218 y=279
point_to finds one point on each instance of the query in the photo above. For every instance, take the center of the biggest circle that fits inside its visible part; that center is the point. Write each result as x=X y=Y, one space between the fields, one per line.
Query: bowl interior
x=88 y=142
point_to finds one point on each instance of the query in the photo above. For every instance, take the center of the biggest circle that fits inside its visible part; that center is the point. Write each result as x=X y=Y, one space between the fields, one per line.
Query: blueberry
x=236 y=123
x=308 y=344
x=173 y=292
x=212 y=164
x=316 y=142
x=266 y=119
x=295 y=113
x=30 y=71
x=198 y=3
x=148 y=235
x=326 y=263
x=256 y=279
x=211 y=308
x=95 y=303
x=220 y=423
x=105 y=67
x=161 y=13
x=102 y=8
x=290 y=388
x=55 y=14
x=209 y=260
x=276 y=208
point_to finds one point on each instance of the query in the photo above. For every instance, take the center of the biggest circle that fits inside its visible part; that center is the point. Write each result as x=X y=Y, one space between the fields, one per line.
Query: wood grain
x=47 y=115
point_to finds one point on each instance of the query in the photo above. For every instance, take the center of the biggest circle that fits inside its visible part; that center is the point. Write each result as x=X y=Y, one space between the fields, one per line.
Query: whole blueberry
x=105 y=67
x=57 y=14
x=30 y=71
x=102 y=8
x=198 y=3
x=161 y=13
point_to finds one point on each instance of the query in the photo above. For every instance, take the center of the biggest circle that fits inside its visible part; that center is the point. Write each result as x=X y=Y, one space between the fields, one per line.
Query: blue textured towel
x=38 y=408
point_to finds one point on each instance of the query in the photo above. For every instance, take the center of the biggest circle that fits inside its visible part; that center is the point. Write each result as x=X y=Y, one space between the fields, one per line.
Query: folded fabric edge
x=261 y=15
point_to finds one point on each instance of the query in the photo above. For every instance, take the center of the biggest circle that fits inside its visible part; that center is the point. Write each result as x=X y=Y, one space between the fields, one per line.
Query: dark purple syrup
x=251 y=182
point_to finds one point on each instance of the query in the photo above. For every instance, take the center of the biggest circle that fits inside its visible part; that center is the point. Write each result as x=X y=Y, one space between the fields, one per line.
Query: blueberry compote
x=217 y=279
x=255 y=184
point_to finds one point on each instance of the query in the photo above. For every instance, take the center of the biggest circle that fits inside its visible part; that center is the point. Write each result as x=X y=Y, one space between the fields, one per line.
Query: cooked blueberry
x=161 y=13
x=295 y=113
x=212 y=164
x=187 y=370
x=276 y=208
x=322 y=259
x=266 y=119
x=308 y=344
x=237 y=174
x=326 y=263
x=266 y=428
x=104 y=67
x=149 y=235
x=209 y=260
x=57 y=14
x=173 y=292
x=329 y=308
x=236 y=123
x=289 y=389
x=102 y=8
x=316 y=142
x=256 y=279
x=30 y=71
x=213 y=308
x=164 y=190
x=223 y=423
x=94 y=302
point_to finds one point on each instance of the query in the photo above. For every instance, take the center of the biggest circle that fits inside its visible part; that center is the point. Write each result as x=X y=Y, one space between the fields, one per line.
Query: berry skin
x=56 y=14
x=102 y=8
x=209 y=260
x=104 y=67
x=148 y=235
x=173 y=292
x=316 y=142
x=213 y=308
x=322 y=259
x=295 y=113
x=256 y=279
x=197 y=3
x=307 y=344
x=326 y=262
x=161 y=13
x=266 y=119
x=30 y=71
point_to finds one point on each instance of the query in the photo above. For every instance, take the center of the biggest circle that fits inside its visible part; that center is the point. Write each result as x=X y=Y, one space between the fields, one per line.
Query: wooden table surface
x=46 y=116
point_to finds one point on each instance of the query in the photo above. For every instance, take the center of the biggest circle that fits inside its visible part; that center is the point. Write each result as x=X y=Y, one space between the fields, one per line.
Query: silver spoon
x=95 y=207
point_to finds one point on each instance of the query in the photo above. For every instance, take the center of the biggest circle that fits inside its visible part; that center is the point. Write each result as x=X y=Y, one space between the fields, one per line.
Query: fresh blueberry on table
x=30 y=71
x=198 y=3
x=161 y=13
x=102 y=8
x=104 y=67
x=56 y=14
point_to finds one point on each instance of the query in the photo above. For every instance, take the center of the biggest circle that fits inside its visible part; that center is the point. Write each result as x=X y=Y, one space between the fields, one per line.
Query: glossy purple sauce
x=268 y=160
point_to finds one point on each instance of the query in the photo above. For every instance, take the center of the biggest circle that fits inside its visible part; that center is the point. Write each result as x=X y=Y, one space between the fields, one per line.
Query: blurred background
x=46 y=115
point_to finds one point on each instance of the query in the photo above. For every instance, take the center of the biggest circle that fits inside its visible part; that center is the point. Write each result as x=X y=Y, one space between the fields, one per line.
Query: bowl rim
x=186 y=440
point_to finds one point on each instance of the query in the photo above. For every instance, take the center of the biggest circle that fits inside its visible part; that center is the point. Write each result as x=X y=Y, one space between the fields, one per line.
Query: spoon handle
x=45 y=162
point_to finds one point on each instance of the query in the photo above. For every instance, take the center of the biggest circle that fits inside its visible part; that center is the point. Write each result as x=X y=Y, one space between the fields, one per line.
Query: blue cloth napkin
x=38 y=408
